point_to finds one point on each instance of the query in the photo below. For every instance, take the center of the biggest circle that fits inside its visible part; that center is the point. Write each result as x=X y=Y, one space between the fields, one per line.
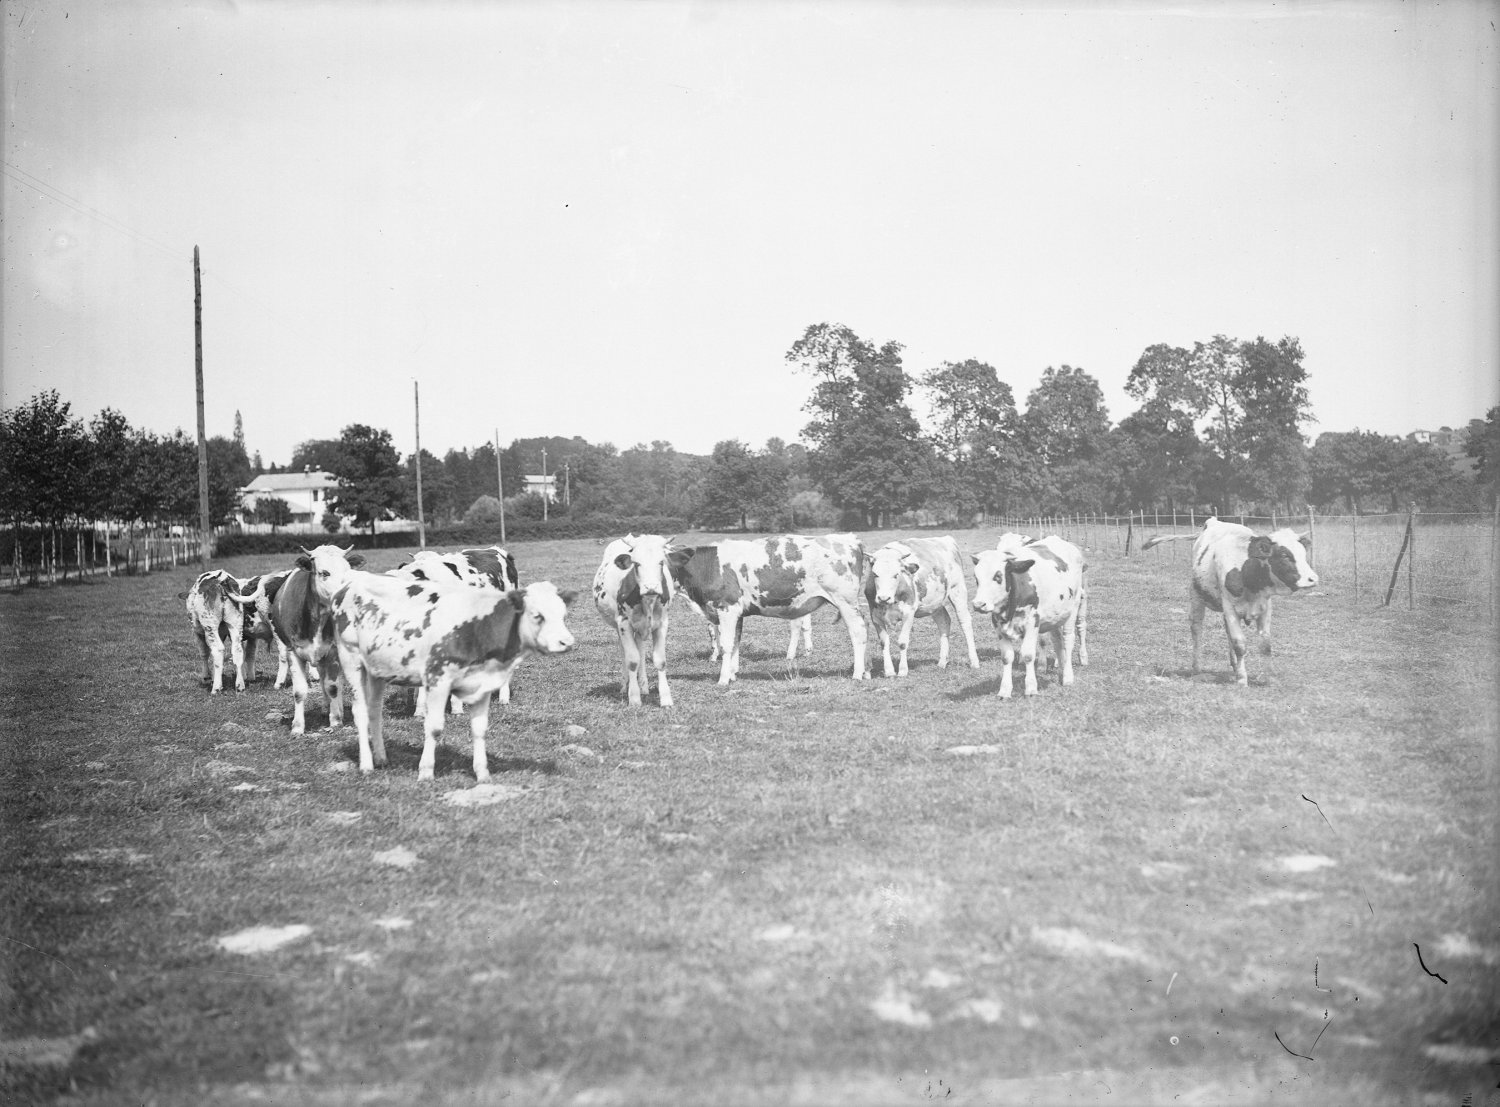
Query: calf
x=491 y=568
x=1030 y=588
x=632 y=591
x=458 y=641
x=801 y=632
x=216 y=614
x=917 y=577
x=1236 y=572
x=785 y=576
x=303 y=622
x=257 y=626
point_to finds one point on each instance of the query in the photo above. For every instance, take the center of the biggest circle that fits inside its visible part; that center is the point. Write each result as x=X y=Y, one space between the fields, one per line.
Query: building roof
x=291 y=482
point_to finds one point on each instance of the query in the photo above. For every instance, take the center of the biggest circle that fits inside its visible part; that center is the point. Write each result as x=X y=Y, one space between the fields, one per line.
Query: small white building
x=536 y=484
x=307 y=493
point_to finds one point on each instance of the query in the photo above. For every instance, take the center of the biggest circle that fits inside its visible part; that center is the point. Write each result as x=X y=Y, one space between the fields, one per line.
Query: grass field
x=1147 y=887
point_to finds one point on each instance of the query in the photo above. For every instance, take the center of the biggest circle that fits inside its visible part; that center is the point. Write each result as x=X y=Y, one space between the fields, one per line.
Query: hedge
x=521 y=530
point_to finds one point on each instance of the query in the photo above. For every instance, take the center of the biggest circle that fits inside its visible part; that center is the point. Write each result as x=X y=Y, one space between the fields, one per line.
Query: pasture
x=804 y=889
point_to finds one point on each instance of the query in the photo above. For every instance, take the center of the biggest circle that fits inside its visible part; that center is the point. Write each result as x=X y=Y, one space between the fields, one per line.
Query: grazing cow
x=785 y=576
x=917 y=577
x=456 y=641
x=632 y=591
x=217 y=615
x=303 y=622
x=1031 y=587
x=1236 y=572
x=258 y=627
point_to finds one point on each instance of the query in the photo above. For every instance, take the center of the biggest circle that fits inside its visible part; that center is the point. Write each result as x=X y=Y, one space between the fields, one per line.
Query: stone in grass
x=224 y=768
x=573 y=730
x=1304 y=863
x=972 y=751
x=42 y=1053
x=576 y=750
x=895 y=1005
x=344 y=818
x=398 y=858
x=393 y=922
x=340 y=767
x=483 y=795
x=262 y=939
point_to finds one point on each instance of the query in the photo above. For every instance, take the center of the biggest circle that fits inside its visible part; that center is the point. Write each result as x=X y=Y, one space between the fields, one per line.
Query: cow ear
x=1235 y=583
x=1306 y=541
x=1019 y=566
x=974 y=558
x=623 y=561
x=912 y=566
x=567 y=595
x=1261 y=548
x=304 y=562
x=517 y=599
x=355 y=560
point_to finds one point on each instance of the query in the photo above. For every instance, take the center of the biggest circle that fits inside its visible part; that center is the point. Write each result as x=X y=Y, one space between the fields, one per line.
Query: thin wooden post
x=500 y=485
x=1494 y=542
x=1411 y=560
x=416 y=410
x=1355 y=529
x=1396 y=569
x=202 y=435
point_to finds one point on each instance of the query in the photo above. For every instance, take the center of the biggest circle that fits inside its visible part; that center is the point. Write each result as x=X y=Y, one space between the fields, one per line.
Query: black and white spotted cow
x=216 y=614
x=448 y=639
x=1236 y=573
x=257 y=626
x=785 y=576
x=1030 y=588
x=912 y=578
x=633 y=591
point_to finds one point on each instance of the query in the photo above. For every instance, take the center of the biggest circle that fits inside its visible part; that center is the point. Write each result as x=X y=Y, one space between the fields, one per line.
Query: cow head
x=646 y=557
x=330 y=567
x=891 y=575
x=1001 y=582
x=1289 y=559
x=542 y=609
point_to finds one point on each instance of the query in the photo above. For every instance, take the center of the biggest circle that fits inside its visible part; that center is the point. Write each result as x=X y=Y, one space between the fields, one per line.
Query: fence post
x=1411 y=561
x=1129 y=530
x=1354 y=526
x=1494 y=541
x=1396 y=569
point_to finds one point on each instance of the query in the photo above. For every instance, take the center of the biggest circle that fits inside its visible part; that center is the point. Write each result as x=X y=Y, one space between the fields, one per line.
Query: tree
x=1157 y=457
x=731 y=486
x=370 y=476
x=1065 y=430
x=1482 y=443
x=273 y=511
x=868 y=452
x=317 y=453
x=976 y=434
x=438 y=488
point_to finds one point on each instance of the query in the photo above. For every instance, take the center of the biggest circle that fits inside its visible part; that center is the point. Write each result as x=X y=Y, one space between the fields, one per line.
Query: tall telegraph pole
x=500 y=485
x=205 y=535
x=416 y=405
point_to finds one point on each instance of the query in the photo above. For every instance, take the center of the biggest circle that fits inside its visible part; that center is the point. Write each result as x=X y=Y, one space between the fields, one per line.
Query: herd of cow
x=456 y=625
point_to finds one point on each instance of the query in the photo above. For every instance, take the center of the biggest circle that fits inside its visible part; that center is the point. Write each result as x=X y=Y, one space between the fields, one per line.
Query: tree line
x=1220 y=426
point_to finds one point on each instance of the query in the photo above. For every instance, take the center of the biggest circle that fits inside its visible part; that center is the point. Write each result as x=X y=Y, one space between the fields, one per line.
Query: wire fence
x=1411 y=559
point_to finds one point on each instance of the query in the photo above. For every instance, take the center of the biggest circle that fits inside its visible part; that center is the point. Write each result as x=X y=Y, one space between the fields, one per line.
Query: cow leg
x=1263 y=628
x=1062 y=646
x=1196 y=610
x=215 y=646
x=252 y=647
x=331 y=671
x=359 y=704
x=437 y=712
x=858 y=635
x=715 y=651
x=806 y=621
x=479 y=723
x=1007 y=656
x=419 y=710
x=883 y=632
x=944 y=624
x=237 y=653
x=206 y=655
x=630 y=656
x=1028 y=656
x=659 y=659
x=283 y=667
x=1236 y=645
x=375 y=711
x=731 y=627
x=300 y=685
x=966 y=624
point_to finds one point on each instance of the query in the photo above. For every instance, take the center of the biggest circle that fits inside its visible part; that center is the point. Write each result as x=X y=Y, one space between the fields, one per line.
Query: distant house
x=307 y=493
x=536 y=484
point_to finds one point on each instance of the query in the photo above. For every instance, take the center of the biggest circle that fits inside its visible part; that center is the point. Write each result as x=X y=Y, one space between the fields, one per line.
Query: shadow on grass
x=402 y=758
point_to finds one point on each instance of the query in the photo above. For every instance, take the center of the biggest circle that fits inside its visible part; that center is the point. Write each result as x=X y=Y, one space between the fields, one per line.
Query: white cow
x=1236 y=572
x=456 y=568
x=918 y=577
x=217 y=615
x=448 y=639
x=632 y=592
x=1030 y=588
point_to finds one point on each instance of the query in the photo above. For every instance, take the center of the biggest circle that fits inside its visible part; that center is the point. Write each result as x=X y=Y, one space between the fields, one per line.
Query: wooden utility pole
x=500 y=485
x=205 y=534
x=416 y=407
x=544 y=484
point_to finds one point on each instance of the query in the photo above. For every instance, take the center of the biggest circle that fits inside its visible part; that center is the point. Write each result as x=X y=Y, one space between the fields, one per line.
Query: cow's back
x=298 y=616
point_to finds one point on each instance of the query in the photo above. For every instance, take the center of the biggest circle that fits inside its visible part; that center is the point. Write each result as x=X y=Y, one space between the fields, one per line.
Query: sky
x=612 y=220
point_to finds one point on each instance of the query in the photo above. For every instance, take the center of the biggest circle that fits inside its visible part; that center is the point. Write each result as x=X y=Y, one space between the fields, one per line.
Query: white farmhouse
x=307 y=493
